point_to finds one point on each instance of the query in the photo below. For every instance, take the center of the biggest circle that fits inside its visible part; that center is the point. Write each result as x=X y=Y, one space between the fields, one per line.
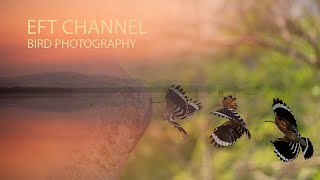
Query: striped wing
x=226 y=134
x=232 y=115
x=176 y=101
x=192 y=107
x=307 y=148
x=286 y=151
x=281 y=110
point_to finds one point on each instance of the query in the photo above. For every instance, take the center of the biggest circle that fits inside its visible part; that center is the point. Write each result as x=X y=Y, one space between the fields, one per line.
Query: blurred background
x=253 y=50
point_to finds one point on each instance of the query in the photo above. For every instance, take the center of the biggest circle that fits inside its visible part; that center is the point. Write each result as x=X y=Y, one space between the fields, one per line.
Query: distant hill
x=67 y=80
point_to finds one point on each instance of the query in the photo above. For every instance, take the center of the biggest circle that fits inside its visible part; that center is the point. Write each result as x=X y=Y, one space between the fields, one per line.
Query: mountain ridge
x=67 y=80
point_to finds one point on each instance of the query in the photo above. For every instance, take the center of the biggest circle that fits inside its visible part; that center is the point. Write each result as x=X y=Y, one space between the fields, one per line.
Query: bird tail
x=286 y=151
x=179 y=127
x=306 y=147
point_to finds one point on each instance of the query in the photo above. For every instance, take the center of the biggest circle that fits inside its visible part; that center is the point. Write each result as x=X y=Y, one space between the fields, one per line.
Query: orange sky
x=157 y=16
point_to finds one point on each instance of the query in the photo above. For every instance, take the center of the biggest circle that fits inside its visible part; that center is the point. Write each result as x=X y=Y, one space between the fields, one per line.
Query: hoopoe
x=179 y=106
x=287 y=148
x=227 y=134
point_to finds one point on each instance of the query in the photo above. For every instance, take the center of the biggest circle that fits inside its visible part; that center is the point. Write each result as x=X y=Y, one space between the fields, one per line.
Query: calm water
x=79 y=136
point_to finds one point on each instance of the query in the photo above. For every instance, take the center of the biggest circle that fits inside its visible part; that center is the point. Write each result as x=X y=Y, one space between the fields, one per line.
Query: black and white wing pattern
x=307 y=148
x=286 y=151
x=226 y=134
x=228 y=113
x=281 y=110
x=232 y=115
x=288 y=147
x=176 y=101
x=192 y=107
x=178 y=106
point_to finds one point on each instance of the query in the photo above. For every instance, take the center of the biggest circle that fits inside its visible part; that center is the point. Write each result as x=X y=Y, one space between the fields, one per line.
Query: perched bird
x=179 y=106
x=227 y=134
x=288 y=147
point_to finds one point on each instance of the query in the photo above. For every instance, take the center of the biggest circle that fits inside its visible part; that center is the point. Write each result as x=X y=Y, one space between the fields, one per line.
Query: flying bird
x=178 y=106
x=287 y=148
x=227 y=134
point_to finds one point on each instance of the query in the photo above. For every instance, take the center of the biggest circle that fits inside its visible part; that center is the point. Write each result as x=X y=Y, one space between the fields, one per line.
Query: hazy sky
x=158 y=17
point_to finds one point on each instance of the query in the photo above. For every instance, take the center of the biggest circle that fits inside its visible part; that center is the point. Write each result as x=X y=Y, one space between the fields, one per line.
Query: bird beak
x=270 y=121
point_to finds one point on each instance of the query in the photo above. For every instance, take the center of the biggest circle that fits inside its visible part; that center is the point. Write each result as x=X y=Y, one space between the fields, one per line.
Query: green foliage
x=255 y=75
x=163 y=154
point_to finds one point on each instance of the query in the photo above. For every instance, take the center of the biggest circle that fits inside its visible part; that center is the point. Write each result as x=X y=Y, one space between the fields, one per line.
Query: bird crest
x=229 y=102
x=233 y=129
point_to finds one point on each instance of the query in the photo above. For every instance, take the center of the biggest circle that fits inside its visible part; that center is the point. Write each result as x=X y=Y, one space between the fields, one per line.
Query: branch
x=293 y=52
x=311 y=36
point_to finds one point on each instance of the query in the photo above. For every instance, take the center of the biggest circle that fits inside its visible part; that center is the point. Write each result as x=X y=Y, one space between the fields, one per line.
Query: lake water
x=69 y=136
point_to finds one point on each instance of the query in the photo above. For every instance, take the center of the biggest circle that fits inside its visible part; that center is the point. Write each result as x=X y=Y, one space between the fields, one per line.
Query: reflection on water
x=83 y=136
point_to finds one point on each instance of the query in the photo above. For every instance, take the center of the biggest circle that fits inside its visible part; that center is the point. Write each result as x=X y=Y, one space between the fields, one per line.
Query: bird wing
x=192 y=107
x=176 y=100
x=232 y=115
x=281 y=110
x=226 y=134
x=286 y=150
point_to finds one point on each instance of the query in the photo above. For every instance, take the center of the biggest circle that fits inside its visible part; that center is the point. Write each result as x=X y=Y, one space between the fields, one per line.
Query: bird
x=178 y=106
x=227 y=134
x=287 y=148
